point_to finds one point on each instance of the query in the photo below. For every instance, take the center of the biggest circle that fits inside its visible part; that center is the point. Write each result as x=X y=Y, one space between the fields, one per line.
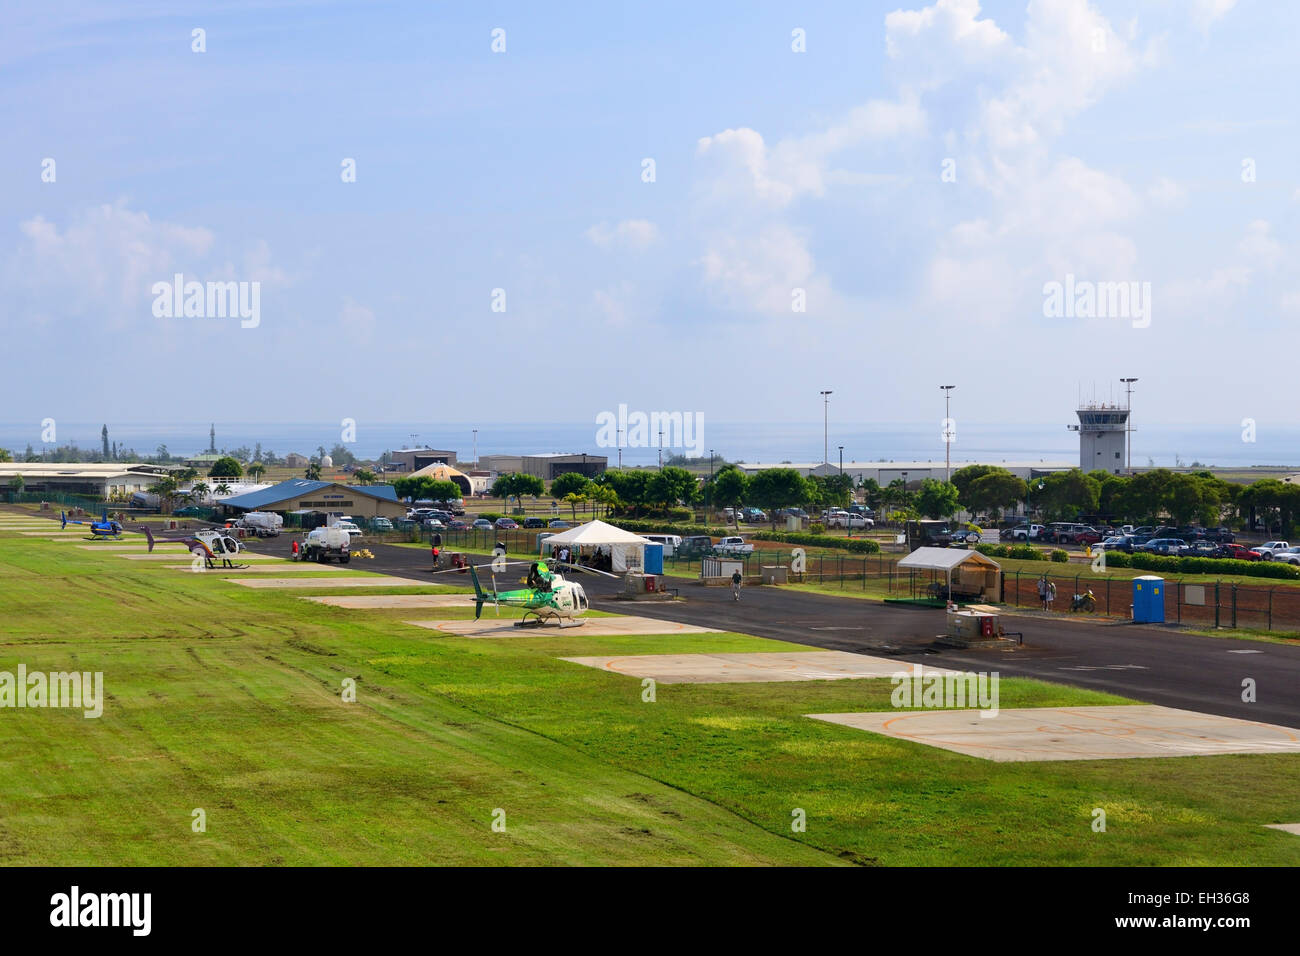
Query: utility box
x=654 y=559
x=775 y=574
x=1149 y=600
x=793 y=523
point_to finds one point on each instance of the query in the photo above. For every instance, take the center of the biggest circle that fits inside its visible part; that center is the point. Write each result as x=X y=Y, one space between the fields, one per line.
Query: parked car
x=352 y=530
x=457 y=525
x=506 y=524
x=1117 y=542
x=753 y=515
x=1167 y=546
x=534 y=523
x=405 y=524
x=482 y=524
x=1237 y=553
x=1201 y=549
x=434 y=524
x=694 y=546
x=1269 y=548
x=559 y=523
x=381 y=524
x=1089 y=536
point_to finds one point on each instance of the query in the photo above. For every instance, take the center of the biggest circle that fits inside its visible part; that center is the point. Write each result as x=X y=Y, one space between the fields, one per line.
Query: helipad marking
x=751 y=667
x=1076 y=733
x=1285 y=827
x=379 y=601
x=593 y=626
x=326 y=581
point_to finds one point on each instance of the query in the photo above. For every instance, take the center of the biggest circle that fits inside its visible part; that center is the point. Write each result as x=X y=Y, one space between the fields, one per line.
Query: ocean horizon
x=1158 y=445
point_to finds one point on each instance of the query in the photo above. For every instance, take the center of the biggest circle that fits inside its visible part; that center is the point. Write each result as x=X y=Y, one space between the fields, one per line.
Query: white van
x=671 y=542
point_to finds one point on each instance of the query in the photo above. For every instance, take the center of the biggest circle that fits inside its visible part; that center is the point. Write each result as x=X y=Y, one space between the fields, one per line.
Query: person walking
x=736 y=581
x=1042 y=592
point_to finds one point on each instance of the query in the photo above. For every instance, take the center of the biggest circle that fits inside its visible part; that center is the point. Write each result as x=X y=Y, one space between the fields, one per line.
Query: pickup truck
x=1270 y=548
x=848 y=519
x=733 y=547
x=1018 y=533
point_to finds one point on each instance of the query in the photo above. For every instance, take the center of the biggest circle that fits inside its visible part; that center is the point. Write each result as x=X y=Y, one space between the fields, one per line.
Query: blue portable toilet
x=654 y=559
x=1149 y=600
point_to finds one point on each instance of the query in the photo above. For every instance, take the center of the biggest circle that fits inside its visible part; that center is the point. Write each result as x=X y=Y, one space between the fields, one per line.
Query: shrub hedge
x=853 y=545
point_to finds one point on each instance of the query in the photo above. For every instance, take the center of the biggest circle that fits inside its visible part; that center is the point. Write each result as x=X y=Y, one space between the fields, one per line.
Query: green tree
x=256 y=470
x=165 y=488
x=1068 y=494
x=993 y=491
x=670 y=485
x=569 y=483
x=516 y=485
x=221 y=489
x=5 y=456
x=730 y=488
x=16 y=484
x=342 y=456
x=226 y=467
x=964 y=477
x=200 y=490
x=775 y=488
x=937 y=499
x=313 y=470
x=364 y=476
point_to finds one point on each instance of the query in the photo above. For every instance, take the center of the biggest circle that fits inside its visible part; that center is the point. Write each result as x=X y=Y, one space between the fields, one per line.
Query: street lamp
x=476 y=448
x=1128 y=424
x=847 y=523
x=826 y=419
x=947 y=437
x=709 y=488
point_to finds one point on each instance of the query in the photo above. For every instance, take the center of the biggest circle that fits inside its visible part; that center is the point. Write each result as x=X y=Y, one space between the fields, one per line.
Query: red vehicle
x=1088 y=536
x=1237 y=553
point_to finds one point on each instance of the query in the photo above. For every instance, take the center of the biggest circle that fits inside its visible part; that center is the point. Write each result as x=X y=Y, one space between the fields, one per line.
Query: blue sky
x=1101 y=140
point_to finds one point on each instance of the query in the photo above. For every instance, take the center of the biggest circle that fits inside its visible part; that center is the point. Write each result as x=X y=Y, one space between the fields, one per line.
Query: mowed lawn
x=228 y=700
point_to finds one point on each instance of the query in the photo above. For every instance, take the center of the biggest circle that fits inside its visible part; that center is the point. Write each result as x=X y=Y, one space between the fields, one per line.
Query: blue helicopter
x=98 y=529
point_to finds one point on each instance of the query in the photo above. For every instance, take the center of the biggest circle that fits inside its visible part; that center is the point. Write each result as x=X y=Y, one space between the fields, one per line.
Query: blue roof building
x=299 y=494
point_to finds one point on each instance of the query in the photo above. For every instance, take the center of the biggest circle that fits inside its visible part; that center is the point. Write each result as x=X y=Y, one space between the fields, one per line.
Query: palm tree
x=574 y=499
x=200 y=490
x=221 y=490
x=256 y=470
x=165 y=489
x=364 y=476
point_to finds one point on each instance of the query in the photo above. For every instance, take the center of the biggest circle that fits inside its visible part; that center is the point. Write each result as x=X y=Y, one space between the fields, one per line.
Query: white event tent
x=627 y=550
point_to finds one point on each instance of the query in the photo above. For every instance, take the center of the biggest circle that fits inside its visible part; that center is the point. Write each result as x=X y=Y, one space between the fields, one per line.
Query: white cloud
x=1166 y=192
x=635 y=234
x=101 y=265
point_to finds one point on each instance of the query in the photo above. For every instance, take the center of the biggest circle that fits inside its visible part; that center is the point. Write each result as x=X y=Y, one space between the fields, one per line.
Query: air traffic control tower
x=1101 y=431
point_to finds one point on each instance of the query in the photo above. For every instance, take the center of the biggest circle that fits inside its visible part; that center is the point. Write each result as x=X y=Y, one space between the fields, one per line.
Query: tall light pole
x=1128 y=423
x=619 y=442
x=947 y=437
x=826 y=426
x=709 y=488
x=661 y=449
x=476 y=449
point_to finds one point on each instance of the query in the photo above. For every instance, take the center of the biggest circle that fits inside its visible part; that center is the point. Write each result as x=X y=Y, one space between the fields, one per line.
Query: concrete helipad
x=1285 y=827
x=328 y=581
x=594 y=626
x=1076 y=733
x=173 y=556
x=360 y=602
x=140 y=548
x=748 y=668
x=279 y=568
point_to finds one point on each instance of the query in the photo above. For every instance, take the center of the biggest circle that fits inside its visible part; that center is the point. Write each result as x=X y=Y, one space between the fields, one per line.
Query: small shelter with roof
x=967 y=574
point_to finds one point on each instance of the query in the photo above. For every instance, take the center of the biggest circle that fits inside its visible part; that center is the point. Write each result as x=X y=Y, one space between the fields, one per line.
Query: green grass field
x=229 y=700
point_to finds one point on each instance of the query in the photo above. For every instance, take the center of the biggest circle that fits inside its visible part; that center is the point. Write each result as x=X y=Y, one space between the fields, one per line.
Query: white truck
x=264 y=524
x=1270 y=548
x=733 y=547
x=324 y=544
x=848 y=519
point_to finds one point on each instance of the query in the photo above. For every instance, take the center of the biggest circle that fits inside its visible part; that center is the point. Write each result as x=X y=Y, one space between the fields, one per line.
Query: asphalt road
x=1157 y=665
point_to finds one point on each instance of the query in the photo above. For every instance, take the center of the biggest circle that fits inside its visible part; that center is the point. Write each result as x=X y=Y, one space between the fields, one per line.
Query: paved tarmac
x=1152 y=664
